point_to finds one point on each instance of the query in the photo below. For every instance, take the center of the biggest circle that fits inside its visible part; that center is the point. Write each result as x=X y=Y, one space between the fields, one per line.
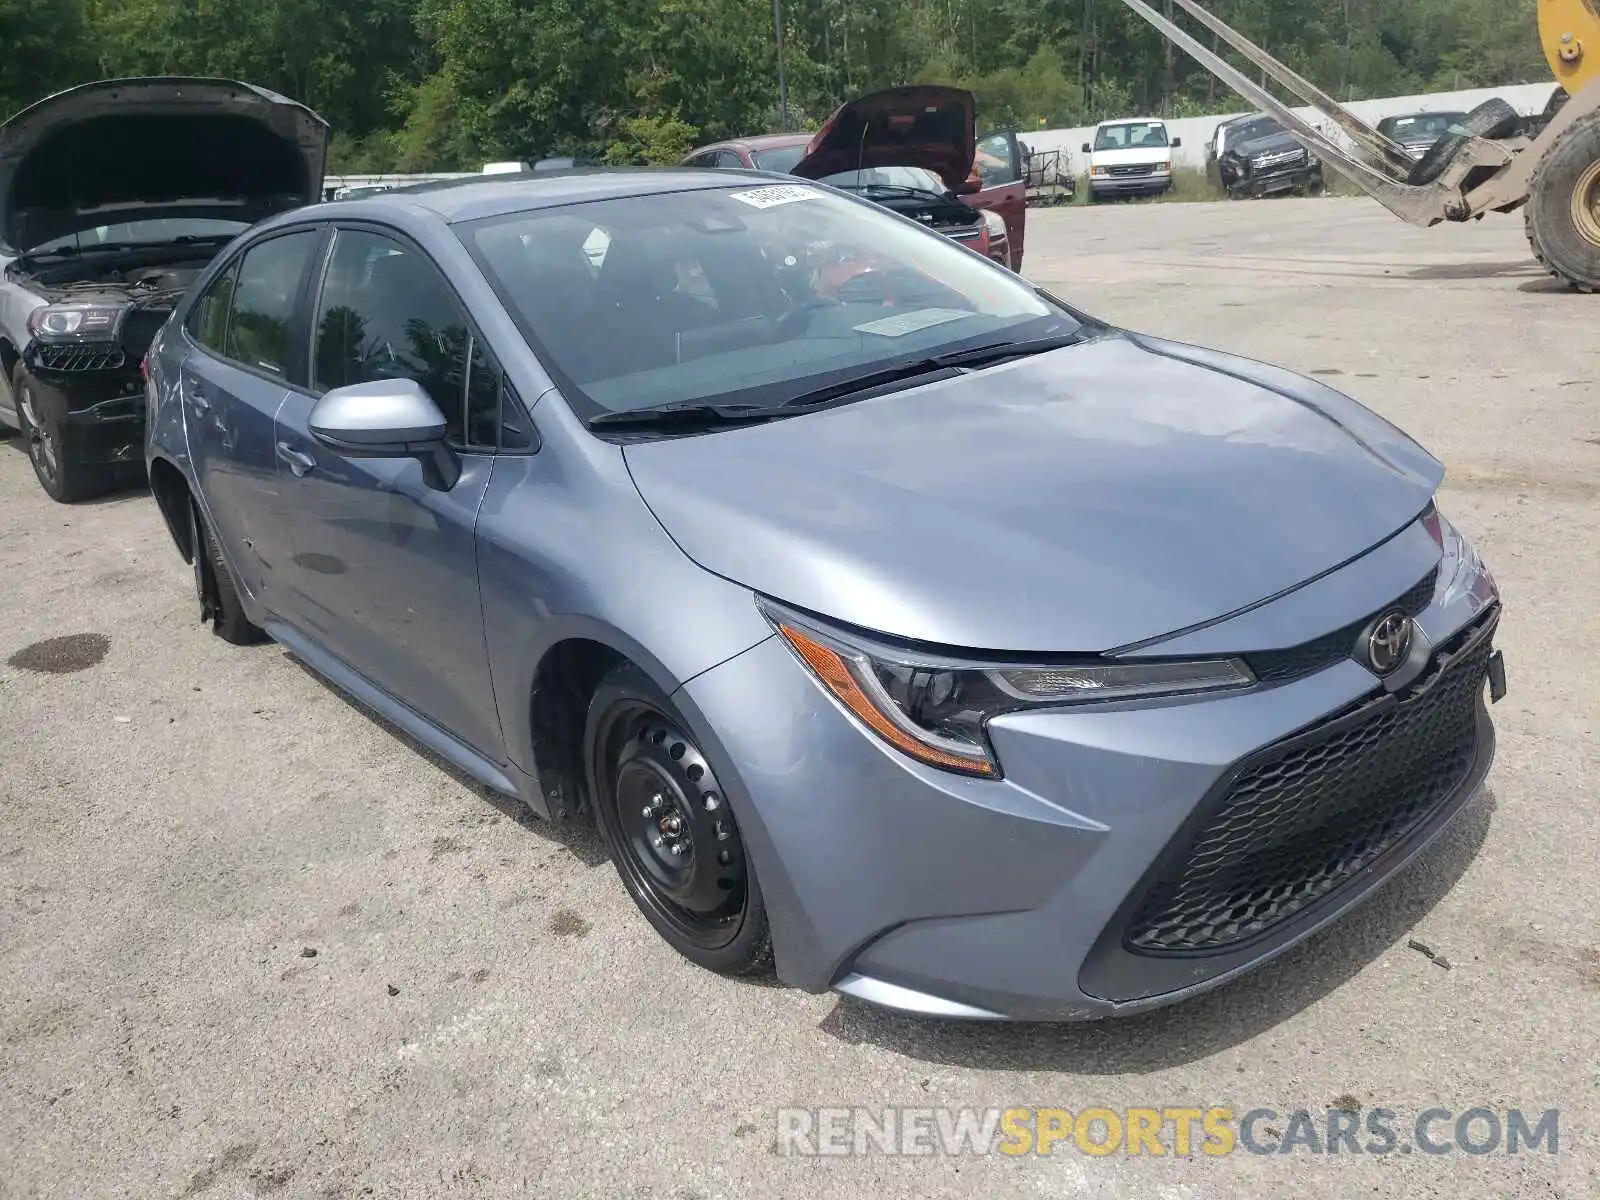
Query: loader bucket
x=1375 y=164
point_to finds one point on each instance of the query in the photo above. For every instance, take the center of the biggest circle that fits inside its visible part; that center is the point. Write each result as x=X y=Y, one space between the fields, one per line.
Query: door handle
x=299 y=462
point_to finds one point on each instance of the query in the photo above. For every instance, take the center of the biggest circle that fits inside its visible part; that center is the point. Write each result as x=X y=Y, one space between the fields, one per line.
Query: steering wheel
x=799 y=315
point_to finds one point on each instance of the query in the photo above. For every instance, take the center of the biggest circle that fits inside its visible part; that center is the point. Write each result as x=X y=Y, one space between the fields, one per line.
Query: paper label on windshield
x=910 y=322
x=771 y=197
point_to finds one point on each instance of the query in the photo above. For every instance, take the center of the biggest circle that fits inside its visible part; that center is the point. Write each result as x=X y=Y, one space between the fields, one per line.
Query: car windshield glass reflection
x=1151 y=135
x=754 y=295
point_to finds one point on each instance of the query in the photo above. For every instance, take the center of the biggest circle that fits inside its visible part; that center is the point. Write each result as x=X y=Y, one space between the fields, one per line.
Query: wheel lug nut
x=656 y=842
x=678 y=848
x=711 y=802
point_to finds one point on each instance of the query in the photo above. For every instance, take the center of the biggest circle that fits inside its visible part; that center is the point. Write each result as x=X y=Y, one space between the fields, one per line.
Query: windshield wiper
x=699 y=414
x=689 y=414
x=936 y=364
x=898 y=189
x=993 y=352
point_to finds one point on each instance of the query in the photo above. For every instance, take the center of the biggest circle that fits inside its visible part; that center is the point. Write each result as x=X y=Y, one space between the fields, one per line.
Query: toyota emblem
x=1389 y=642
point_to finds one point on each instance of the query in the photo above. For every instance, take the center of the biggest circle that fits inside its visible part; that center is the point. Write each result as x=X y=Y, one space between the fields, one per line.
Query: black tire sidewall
x=749 y=949
x=228 y=618
x=44 y=402
x=1551 y=230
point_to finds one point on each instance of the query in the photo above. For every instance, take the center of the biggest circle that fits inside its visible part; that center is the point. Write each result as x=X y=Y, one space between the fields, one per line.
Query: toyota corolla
x=917 y=633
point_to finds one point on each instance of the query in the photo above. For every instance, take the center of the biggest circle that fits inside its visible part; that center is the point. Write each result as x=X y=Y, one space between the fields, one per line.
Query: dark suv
x=1255 y=156
x=113 y=197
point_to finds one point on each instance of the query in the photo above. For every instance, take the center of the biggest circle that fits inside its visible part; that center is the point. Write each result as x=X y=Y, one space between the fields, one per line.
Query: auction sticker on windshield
x=771 y=197
x=909 y=322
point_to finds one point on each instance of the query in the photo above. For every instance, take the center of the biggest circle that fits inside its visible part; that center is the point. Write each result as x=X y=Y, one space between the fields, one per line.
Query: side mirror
x=1176 y=142
x=387 y=418
x=1086 y=148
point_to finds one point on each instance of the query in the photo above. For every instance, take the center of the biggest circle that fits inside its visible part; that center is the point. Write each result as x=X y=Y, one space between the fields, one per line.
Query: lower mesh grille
x=1300 y=821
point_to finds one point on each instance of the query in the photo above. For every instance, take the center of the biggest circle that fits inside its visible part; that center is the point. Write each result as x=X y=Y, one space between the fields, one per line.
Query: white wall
x=1196 y=131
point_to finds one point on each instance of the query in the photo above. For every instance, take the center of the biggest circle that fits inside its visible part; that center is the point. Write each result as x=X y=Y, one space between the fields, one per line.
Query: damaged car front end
x=113 y=197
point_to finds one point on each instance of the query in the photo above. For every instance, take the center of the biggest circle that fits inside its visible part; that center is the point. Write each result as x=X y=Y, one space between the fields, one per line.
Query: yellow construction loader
x=1494 y=161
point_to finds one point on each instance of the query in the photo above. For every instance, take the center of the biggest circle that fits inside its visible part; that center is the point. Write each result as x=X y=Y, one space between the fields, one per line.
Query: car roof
x=477 y=196
x=1132 y=121
x=763 y=141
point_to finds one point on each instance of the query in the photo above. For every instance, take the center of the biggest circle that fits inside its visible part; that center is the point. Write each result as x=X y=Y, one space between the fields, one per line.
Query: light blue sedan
x=894 y=620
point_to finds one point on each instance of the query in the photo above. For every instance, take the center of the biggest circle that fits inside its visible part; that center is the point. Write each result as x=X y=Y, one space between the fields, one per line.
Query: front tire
x=672 y=836
x=1563 y=213
x=42 y=421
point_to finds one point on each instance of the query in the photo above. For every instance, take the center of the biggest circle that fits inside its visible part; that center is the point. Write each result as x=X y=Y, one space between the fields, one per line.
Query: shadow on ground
x=1206 y=1025
x=1478 y=270
x=580 y=836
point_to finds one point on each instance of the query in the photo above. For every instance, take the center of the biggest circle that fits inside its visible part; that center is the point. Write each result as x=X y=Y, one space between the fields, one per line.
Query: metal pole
x=783 y=87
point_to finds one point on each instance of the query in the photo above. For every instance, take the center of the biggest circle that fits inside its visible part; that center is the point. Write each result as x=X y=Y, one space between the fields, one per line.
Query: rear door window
x=259 y=329
x=208 y=319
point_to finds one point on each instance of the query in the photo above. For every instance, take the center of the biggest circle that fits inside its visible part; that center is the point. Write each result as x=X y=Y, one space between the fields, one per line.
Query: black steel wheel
x=671 y=832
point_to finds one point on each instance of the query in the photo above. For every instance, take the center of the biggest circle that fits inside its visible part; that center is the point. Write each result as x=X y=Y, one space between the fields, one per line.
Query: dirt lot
x=252 y=943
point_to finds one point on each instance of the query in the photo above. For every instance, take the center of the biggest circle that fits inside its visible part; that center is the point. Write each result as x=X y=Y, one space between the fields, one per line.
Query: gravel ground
x=253 y=943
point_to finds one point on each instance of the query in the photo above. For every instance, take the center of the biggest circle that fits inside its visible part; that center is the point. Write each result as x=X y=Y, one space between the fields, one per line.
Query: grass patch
x=1192 y=185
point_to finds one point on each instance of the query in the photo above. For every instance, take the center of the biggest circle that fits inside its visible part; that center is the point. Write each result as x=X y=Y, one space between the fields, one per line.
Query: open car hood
x=128 y=149
x=931 y=127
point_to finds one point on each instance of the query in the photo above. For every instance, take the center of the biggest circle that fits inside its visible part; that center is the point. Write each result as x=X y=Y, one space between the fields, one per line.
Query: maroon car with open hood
x=914 y=150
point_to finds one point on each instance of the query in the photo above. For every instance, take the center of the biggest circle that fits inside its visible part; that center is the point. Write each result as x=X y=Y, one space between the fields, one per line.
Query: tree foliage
x=440 y=84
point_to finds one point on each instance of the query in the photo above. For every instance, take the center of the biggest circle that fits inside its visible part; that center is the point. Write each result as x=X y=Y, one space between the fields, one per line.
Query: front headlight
x=76 y=322
x=935 y=709
x=994 y=223
x=1099 y=170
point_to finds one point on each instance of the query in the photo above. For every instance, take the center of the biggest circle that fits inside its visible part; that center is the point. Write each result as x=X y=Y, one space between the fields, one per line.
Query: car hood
x=1269 y=143
x=928 y=126
x=1078 y=501
x=125 y=149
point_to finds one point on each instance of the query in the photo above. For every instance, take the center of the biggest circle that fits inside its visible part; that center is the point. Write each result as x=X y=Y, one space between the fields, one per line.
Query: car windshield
x=154 y=230
x=1251 y=130
x=754 y=295
x=1420 y=125
x=1133 y=136
x=781 y=159
x=917 y=178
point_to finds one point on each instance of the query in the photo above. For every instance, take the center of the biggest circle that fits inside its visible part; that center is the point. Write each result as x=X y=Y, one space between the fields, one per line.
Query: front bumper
x=1129 y=185
x=105 y=408
x=932 y=893
x=1273 y=182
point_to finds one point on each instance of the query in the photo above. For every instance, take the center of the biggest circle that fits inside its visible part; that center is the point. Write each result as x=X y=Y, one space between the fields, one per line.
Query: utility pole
x=1169 y=81
x=783 y=86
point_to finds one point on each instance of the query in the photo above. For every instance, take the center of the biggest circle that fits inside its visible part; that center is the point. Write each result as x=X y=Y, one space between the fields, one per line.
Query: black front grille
x=80 y=358
x=1303 y=818
x=1135 y=169
x=1280 y=666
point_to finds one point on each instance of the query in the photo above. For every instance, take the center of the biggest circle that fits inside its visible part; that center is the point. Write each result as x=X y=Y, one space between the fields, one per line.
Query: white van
x=1130 y=158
